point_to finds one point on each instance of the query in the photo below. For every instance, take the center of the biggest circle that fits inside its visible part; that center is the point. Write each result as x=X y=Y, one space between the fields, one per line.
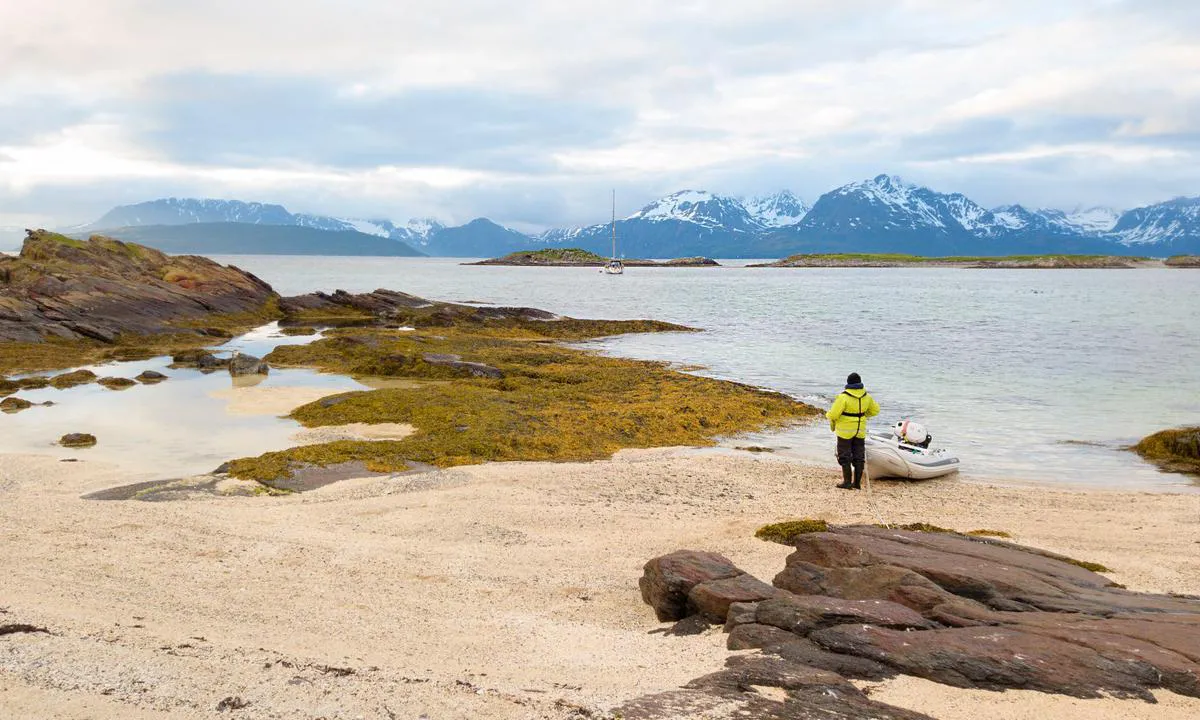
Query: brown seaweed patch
x=785 y=533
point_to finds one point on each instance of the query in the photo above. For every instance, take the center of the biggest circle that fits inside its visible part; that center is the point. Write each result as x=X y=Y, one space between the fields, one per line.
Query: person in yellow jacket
x=848 y=418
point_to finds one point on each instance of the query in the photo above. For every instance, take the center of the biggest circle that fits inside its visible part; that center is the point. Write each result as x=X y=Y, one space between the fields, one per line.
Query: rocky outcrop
x=101 y=288
x=150 y=377
x=389 y=306
x=868 y=602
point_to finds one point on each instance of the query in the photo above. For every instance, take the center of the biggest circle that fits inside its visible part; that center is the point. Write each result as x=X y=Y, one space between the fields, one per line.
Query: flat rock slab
x=866 y=602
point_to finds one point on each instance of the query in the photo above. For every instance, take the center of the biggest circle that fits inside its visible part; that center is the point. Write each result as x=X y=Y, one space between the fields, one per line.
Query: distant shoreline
x=1009 y=262
x=575 y=257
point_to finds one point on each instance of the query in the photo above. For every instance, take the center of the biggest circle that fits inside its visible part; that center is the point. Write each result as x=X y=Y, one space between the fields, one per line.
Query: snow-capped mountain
x=1173 y=225
x=684 y=223
x=778 y=210
x=880 y=214
x=702 y=208
x=1095 y=220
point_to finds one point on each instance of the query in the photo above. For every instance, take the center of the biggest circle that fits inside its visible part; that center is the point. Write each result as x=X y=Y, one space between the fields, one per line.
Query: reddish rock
x=100 y=288
x=997 y=658
x=803 y=614
x=713 y=598
x=764 y=687
x=869 y=603
x=667 y=580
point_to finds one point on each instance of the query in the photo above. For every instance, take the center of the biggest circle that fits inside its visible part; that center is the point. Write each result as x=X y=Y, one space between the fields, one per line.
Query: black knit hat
x=853 y=379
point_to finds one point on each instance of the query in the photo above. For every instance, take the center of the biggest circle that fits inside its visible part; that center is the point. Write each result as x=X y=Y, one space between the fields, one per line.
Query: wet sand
x=502 y=591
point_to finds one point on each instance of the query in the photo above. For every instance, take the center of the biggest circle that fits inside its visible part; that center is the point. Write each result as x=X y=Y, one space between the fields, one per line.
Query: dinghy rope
x=871 y=497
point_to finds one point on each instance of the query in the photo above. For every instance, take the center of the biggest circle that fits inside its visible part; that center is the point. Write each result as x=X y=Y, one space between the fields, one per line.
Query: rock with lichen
x=71 y=379
x=14 y=404
x=1174 y=450
x=99 y=289
x=77 y=440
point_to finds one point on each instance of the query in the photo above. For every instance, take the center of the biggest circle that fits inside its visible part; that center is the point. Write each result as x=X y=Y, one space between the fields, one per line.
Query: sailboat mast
x=614 y=223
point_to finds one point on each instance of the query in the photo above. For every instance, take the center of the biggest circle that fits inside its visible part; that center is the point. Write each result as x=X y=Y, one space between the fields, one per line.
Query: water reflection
x=187 y=424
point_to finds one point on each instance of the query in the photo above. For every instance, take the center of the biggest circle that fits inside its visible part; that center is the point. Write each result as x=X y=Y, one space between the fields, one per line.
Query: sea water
x=1044 y=376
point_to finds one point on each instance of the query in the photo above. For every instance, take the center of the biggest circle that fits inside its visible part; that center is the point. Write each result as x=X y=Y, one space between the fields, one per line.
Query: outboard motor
x=911 y=432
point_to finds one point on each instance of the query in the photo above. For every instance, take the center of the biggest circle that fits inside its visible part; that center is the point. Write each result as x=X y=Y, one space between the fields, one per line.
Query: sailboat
x=614 y=266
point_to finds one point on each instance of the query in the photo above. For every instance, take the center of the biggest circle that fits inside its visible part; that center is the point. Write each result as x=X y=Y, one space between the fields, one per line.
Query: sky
x=531 y=112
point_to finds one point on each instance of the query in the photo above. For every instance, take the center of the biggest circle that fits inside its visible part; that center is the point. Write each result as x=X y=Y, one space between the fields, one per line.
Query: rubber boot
x=846 y=478
x=858 y=473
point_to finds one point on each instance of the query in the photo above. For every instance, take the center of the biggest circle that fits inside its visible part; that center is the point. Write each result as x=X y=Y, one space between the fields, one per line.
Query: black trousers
x=851 y=450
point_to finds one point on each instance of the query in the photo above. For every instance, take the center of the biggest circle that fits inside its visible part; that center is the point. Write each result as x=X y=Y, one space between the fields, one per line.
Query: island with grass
x=1034 y=262
x=1183 y=261
x=575 y=257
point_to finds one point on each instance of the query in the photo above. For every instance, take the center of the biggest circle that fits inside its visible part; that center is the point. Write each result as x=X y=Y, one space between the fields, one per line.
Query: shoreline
x=496 y=590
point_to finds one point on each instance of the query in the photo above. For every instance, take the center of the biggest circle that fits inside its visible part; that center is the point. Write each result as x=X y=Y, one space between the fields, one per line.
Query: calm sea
x=1030 y=376
x=1037 y=375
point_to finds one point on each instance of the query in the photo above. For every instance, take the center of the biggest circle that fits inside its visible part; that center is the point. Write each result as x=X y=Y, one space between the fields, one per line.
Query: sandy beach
x=504 y=591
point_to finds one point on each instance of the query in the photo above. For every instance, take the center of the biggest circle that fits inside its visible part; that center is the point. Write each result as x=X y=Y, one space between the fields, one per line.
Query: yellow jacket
x=848 y=416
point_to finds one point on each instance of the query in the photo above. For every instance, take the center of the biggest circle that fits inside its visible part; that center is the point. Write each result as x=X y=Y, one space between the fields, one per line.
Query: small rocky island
x=1026 y=262
x=1183 y=261
x=575 y=257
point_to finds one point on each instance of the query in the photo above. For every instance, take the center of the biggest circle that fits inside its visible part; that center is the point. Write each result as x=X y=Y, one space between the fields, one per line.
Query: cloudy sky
x=529 y=111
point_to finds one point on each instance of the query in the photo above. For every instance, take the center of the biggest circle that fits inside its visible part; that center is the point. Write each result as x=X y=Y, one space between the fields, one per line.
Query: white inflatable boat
x=888 y=456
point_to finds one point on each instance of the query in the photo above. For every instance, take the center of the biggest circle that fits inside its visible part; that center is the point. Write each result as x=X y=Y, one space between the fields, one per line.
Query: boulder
x=77 y=440
x=34 y=382
x=71 y=379
x=150 y=377
x=8 y=387
x=242 y=364
x=14 y=404
x=667 y=580
x=116 y=383
x=200 y=359
x=712 y=598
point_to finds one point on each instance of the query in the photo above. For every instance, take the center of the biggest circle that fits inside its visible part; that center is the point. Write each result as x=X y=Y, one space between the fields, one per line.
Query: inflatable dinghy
x=888 y=456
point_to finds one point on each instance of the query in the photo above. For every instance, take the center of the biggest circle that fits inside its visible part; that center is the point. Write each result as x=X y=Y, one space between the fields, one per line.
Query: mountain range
x=881 y=214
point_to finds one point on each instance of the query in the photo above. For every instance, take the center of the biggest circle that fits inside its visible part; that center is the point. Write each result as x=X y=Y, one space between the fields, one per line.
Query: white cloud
x=663 y=95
